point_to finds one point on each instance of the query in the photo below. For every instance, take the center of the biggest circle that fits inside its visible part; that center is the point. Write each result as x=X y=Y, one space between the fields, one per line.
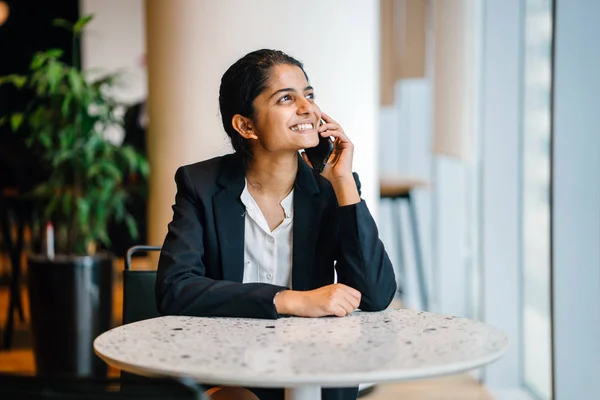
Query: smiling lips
x=302 y=127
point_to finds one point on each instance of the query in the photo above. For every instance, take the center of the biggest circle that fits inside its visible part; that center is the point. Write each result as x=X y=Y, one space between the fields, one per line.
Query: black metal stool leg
x=17 y=267
x=418 y=254
x=396 y=215
x=8 y=327
x=15 y=251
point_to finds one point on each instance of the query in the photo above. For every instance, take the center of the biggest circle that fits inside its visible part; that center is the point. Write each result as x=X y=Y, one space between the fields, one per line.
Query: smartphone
x=319 y=154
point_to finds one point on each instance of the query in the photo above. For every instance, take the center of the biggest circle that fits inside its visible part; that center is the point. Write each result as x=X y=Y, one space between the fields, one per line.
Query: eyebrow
x=289 y=90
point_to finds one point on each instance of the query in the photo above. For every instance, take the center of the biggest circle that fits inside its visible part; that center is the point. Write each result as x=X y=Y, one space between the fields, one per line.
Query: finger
x=355 y=302
x=340 y=311
x=352 y=300
x=306 y=160
x=338 y=134
x=350 y=290
x=327 y=118
x=327 y=127
x=348 y=304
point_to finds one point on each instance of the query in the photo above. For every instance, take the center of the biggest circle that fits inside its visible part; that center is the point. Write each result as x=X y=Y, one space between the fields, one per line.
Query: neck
x=273 y=175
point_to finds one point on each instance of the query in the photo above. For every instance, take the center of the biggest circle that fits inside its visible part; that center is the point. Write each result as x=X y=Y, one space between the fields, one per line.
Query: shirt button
x=269 y=276
x=271 y=239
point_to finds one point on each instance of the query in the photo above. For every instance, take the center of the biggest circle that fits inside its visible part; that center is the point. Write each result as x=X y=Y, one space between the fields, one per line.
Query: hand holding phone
x=319 y=155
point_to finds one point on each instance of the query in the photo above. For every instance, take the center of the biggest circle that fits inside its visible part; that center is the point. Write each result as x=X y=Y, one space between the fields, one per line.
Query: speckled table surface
x=392 y=345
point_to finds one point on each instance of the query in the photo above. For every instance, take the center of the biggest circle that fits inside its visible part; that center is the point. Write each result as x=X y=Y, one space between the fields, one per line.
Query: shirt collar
x=287 y=204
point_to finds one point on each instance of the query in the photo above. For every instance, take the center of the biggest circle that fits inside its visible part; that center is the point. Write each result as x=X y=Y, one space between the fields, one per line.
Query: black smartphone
x=319 y=154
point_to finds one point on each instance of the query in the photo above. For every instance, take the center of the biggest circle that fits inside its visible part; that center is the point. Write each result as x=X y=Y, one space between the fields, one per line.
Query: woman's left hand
x=339 y=166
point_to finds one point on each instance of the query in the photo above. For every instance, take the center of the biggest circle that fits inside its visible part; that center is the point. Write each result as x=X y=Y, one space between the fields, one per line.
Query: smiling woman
x=259 y=233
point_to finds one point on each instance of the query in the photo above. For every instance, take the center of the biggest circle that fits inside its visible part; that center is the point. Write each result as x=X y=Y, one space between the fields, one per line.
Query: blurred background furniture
x=34 y=388
x=397 y=190
x=138 y=289
x=14 y=212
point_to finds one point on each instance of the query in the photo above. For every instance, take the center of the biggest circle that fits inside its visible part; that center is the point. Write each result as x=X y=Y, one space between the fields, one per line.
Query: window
x=535 y=197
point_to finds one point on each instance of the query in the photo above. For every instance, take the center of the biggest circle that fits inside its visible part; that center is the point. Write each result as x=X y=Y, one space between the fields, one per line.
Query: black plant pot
x=70 y=300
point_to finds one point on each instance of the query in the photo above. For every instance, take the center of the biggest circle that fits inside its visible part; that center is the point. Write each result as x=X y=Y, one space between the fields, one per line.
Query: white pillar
x=192 y=42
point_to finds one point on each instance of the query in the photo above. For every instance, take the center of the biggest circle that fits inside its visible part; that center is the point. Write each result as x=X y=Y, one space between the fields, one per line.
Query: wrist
x=287 y=302
x=345 y=190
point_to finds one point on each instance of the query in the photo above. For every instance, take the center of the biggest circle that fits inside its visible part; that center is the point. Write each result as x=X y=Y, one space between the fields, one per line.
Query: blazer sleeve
x=182 y=287
x=362 y=262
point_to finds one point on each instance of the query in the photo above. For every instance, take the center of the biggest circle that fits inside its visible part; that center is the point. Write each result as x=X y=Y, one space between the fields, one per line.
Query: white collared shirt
x=267 y=254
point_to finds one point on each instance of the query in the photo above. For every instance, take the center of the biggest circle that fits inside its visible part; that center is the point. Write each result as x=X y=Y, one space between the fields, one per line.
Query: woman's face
x=286 y=116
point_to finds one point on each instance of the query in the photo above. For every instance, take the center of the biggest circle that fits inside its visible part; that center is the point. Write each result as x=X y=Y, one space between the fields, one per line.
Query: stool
x=397 y=189
x=11 y=201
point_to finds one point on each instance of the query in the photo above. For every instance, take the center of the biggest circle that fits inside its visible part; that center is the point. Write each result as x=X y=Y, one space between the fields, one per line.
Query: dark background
x=27 y=30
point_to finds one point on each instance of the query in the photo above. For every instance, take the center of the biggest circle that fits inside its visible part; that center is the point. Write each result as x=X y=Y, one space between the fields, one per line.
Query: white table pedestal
x=303 y=393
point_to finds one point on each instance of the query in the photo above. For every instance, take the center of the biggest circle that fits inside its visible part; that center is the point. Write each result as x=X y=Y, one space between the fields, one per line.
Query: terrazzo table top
x=392 y=345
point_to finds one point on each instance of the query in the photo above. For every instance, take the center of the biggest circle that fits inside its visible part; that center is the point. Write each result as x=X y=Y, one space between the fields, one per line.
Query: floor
x=20 y=358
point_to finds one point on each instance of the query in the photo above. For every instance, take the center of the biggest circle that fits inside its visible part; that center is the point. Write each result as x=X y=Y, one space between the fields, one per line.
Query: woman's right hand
x=337 y=299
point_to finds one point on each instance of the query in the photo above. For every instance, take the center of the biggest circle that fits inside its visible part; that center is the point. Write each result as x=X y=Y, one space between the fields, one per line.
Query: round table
x=302 y=354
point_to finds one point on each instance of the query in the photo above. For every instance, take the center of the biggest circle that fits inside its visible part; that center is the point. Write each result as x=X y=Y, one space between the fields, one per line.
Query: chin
x=311 y=141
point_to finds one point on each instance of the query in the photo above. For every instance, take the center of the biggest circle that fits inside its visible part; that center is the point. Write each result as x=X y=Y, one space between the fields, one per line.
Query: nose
x=305 y=106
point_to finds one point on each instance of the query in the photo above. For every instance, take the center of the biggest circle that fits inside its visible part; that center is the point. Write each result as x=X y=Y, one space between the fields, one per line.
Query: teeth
x=302 y=127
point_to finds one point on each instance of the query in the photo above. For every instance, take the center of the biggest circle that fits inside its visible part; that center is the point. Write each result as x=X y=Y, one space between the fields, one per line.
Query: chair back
x=138 y=289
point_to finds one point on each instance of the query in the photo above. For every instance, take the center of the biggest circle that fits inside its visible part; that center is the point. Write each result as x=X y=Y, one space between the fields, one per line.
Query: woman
x=255 y=234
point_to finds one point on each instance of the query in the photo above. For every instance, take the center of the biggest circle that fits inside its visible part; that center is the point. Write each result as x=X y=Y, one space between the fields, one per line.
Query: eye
x=284 y=98
x=310 y=96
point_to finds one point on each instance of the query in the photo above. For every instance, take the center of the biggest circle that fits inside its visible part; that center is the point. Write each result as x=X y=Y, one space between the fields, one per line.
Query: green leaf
x=131 y=226
x=16 y=120
x=119 y=205
x=38 y=118
x=103 y=236
x=129 y=154
x=3 y=120
x=67 y=203
x=17 y=80
x=76 y=82
x=45 y=138
x=54 y=53
x=39 y=82
x=112 y=171
x=63 y=23
x=81 y=23
x=38 y=60
x=55 y=74
x=62 y=155
x=66 y=104
x=83 y=210
x=49 y=211
x=144 y=166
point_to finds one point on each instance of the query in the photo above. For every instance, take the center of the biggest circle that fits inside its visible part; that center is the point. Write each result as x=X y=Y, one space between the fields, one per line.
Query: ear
x=244 y=126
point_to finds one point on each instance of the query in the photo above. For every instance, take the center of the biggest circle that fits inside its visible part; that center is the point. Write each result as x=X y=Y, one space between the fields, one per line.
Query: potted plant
x=70 y=284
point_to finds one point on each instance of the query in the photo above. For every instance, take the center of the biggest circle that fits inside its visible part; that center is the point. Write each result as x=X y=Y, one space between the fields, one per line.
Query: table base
x=303 y=393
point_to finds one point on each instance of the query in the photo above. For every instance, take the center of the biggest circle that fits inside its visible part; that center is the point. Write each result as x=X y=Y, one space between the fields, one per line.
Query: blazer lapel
x=307 y=214
x=229 y=216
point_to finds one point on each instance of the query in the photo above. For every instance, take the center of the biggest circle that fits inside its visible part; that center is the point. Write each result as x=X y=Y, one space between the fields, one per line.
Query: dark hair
x=241 y=84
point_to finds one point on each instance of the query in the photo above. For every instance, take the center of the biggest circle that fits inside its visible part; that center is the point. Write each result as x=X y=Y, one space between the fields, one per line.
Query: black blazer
x=201 y=264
